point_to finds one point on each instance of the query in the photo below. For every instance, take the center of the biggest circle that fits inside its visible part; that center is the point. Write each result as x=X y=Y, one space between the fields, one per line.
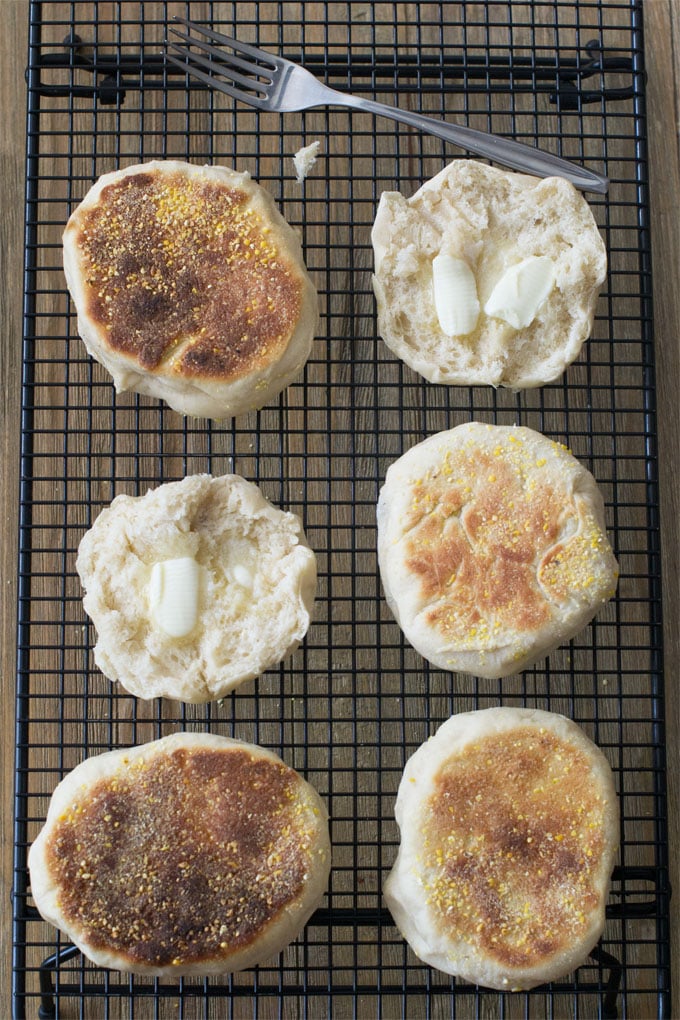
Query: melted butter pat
x=521 y=291
x=174 y=595
x=455 y=295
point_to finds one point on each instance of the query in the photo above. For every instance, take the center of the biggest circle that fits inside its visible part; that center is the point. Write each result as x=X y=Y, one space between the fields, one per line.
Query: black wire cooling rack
x=355 y=701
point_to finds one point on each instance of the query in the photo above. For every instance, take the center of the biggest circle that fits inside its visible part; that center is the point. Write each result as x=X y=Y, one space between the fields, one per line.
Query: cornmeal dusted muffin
x=194 y=854
x=492 y=547
x=509 y=829
x=190 y=286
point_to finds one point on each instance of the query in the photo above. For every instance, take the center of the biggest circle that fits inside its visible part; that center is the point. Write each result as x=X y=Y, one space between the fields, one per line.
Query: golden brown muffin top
x=183 y=857
x=513 y=843
x=497 y=542
x=183 y=275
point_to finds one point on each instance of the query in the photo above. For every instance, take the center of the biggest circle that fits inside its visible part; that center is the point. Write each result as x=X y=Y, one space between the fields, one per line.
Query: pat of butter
x=521 y=291
x=174 y=595
x=455 y=295
x=242 y=576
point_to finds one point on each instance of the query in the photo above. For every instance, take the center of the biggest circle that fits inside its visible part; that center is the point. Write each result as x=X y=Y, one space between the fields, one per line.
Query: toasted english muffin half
x=492 y=547
x=195 y=587
x=190 y=286
x=194 y=854
x=535 y=239
x=509 y=830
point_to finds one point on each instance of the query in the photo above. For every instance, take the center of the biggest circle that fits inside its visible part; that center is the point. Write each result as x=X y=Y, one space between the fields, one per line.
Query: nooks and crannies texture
x=491 y=220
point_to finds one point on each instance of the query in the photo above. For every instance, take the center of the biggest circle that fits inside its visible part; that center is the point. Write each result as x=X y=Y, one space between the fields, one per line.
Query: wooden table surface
x=662 y=34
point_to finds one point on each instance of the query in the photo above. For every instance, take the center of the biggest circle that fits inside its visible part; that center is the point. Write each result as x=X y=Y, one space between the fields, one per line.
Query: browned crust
x=514 y=837
x=181 y=274
x=184 y=857
x=483 y=542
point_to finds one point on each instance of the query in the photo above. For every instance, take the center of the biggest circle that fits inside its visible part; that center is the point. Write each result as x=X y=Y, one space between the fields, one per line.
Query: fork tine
x=217 y=83
x=215 y=66
x=227 y=40
x=219 y=58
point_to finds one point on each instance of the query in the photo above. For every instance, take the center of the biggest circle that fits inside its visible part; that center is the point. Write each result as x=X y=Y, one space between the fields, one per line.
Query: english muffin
x=509 y=830
x=194 y=854
x=190 y=286
x=492 y=547
x=485 y=276
x=195 y=587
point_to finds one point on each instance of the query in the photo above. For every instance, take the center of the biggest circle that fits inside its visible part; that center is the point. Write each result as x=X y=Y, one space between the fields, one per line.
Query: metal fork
x=268 y=82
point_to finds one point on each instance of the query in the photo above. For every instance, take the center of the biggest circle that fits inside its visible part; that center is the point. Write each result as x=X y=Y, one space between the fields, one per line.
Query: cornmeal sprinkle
x=183 y=273
x=501 y=542
x=509 y=858
x=184 y=855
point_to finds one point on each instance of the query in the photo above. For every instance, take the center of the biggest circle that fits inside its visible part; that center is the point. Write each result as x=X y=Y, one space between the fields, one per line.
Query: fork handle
x=501 y=150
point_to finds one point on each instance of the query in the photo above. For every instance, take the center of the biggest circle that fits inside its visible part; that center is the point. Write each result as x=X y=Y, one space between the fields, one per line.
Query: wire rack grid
x=355 y=700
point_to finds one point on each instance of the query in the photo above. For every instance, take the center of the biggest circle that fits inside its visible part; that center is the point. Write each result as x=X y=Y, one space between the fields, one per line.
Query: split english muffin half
x=195 y=587
x=485 y=276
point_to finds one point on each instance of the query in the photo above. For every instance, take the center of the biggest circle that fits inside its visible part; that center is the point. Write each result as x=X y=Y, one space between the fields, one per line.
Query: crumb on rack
x=304 y=159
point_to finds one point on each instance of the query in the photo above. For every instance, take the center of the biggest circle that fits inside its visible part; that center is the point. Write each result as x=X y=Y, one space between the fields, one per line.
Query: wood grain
x=662 y=52
x=13 y=40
